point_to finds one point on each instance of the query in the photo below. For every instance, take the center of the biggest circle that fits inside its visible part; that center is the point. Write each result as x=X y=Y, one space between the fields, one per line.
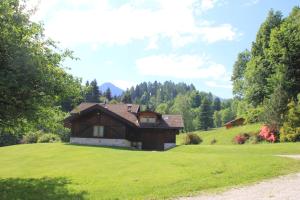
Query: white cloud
x=123 y=84
x=152 y=43
x=181 y=66
x=251 y=2
x=97 y=22
x=215 y=84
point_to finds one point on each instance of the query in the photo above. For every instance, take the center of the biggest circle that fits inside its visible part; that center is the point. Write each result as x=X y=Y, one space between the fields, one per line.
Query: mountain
x=115 y=91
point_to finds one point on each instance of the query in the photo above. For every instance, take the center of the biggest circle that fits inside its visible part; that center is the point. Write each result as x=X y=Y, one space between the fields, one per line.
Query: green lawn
x=63 y=171
x=223 y=135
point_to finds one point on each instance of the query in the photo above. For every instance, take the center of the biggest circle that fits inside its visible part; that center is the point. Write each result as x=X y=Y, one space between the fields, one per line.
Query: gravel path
x=281 y=188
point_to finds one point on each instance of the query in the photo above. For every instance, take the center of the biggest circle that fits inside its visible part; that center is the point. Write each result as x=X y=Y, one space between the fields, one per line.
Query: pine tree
x=108 y=94
x=126 y=97
x=205 y=115
x=95 y=96
x=217 y=104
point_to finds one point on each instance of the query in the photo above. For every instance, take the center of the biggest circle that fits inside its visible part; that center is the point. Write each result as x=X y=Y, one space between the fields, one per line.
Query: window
x=147 y=120
x=98 y=131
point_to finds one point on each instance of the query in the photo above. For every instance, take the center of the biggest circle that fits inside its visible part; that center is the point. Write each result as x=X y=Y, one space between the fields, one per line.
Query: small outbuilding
x=235 y=122
x=122 y=125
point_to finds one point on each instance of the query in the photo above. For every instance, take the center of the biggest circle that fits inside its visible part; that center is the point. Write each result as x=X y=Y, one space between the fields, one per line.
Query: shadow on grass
x=37 y=189
x=105 y=147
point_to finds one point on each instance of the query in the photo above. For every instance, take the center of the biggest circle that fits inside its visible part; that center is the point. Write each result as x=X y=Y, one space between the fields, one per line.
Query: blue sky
x=127 y=42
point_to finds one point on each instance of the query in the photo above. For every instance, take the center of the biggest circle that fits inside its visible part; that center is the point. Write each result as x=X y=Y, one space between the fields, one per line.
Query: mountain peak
x=115 y=91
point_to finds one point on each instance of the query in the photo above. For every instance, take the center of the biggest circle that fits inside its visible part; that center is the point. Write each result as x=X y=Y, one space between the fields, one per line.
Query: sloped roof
x=121 y=110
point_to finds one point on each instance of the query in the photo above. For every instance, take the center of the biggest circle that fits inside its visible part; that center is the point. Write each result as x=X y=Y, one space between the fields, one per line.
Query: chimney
x=129 y=106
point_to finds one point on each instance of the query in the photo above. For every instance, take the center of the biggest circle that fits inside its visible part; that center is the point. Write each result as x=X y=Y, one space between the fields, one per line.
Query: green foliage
x=31 y=137
x=191 y=138
x=284 y=54
x=48 y=138
x=238 y=74
x=205 y=117
x=226 y=115
x=275 y=108
x=126 y=98
x=290 y=131
x=31 y=72
x=217 y=119
x=213 y=141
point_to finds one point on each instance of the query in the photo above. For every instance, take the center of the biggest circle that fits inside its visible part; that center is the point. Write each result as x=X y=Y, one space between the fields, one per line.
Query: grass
x=222 y=135
x=63 y=171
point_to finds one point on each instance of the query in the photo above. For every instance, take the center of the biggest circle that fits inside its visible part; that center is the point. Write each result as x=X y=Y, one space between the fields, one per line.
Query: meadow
x=64 y=171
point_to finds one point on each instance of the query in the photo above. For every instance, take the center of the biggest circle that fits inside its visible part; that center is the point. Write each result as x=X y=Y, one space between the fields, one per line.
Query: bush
x=213 y=141
x=48 y=138
x=192 y=138
x=31 y=137
x=288 y=134
x=269 y=134
x=7 y=138
x=241 y=138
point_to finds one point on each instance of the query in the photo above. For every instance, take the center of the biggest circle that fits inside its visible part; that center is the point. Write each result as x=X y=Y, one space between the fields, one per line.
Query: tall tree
x=205 y=117
x=31 y=69
x=259 y=68
x=126 y=98
x=238 y=74
x=217 y=104
x=284 y=55
x=95 y=93
x=108 y=94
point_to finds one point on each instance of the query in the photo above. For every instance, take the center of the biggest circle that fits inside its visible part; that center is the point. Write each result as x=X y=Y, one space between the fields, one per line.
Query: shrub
x=241 y=138
x=268 y=133
x=8 y=138
x=213 y=141
x=31 y=137
x=48 y=138
x=192 y=138
x=290 y=131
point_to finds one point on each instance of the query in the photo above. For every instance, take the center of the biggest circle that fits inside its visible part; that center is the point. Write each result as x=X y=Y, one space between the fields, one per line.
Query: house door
x=152 y=141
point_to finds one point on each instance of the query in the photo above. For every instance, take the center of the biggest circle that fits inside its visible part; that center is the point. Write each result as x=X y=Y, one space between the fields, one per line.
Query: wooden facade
x=235 y=122
x=122 y=129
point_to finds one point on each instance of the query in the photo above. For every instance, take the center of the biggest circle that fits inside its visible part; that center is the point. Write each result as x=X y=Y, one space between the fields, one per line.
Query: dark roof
x=129 y=115
x=235 y=120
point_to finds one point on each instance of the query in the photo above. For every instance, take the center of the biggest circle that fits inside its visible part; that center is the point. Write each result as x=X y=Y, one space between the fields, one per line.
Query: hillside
x=115 y=91
x=222 y=135
x=63 y=171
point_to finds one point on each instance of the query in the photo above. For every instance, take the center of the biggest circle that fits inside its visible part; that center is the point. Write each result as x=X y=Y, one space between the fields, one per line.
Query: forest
x=37 y=92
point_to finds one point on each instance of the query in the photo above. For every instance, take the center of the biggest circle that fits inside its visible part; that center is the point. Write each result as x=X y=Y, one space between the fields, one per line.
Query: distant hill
x=115 y=91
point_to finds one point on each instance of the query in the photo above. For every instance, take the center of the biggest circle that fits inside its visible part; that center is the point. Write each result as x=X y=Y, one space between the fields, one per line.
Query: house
x=122 y=125
x=235 y=122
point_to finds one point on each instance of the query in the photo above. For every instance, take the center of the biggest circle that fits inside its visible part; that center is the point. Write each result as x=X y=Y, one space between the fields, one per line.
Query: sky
x=128 y=42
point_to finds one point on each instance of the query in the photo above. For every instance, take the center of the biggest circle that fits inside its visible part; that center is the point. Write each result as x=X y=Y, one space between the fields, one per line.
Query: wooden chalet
x=122 y=125
x=235 y=122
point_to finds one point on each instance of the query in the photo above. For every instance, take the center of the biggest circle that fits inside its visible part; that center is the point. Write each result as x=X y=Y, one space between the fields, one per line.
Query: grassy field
x=222 y=135
x=63 y=171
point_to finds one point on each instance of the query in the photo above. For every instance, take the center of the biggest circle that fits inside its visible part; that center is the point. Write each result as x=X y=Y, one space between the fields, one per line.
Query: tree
x=226 y=115
x=107 y=94
x=217 y=119
x=290 y=131
x=217 y=104
x=182 y=105
x=205 y=117
x=259 y=69
x=31 y=67
x=126 y=97
x=162 y=108
x=275 y=107
x=95 y=93
x=284 y=54
x=238 y=74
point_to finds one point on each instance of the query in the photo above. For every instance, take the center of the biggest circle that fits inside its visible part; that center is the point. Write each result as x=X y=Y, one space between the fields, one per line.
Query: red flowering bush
x=269 y=134
x=241 y=138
